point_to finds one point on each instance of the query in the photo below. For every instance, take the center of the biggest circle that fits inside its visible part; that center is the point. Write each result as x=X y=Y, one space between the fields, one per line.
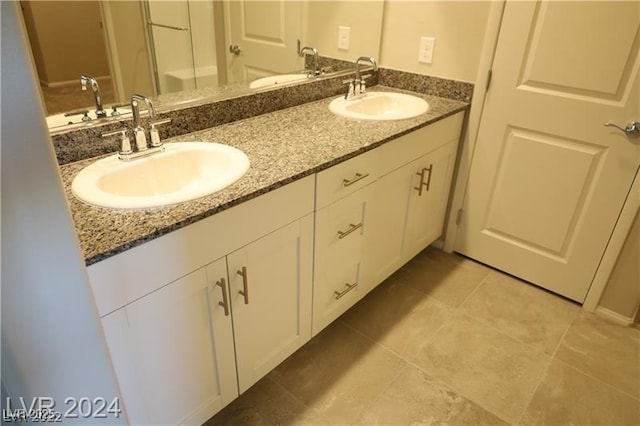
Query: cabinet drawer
x=336 y=289
x=346 y=178
x=342 y=226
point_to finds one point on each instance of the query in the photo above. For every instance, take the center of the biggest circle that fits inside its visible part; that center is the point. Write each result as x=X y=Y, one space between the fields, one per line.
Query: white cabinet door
x=270 y=285
x=168 y=350
x=428 y=199
x=392 y=193
x=410 y=204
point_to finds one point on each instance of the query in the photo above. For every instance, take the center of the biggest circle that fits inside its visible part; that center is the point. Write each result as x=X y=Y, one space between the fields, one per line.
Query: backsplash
x=86 y=143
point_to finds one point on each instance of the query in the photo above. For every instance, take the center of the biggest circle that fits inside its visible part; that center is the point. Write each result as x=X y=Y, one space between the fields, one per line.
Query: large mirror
x=178 y=50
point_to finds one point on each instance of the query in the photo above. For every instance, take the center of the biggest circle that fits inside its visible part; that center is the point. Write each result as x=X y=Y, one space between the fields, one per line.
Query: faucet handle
x=125 y=142
x=153 y=132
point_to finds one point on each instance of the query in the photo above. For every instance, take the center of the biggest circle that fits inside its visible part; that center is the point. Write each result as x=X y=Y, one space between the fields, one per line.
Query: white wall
x=363 y=17
x=52 y=343
x=458 y=27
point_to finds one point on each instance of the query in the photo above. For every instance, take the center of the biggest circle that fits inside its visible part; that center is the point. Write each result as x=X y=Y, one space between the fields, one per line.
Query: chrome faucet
x=357 y=86
x=142 y=149
x=139 y=134
x=84 y=79
x=314 y=52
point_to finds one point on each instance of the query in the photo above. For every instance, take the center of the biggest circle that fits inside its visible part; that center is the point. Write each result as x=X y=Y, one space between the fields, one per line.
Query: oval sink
x=380 y=106
x=277 y=79
x=183 y=171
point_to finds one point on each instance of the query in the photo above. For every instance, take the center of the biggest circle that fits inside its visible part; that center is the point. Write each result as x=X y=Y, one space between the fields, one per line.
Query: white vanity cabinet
x=411 y=194
x=162 y=304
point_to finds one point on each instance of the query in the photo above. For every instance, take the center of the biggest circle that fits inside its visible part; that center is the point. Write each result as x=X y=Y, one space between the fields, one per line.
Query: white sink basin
x=380 y=106
x=184 y=171
x=277 y=79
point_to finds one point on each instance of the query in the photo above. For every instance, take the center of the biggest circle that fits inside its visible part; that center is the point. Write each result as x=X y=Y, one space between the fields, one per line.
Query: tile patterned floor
x=446 y=340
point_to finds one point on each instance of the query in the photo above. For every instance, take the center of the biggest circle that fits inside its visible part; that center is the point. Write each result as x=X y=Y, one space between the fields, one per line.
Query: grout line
x=573 y=367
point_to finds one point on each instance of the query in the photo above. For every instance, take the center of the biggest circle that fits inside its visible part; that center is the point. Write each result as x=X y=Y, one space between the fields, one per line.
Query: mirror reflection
x=182 y=49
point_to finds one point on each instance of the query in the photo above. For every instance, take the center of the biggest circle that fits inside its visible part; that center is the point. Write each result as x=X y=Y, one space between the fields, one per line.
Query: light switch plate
x=344 y=33
x=425 y=52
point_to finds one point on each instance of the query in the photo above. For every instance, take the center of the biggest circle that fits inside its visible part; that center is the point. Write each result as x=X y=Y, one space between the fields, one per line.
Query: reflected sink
x=183 y=171
x=380 y=106
x=277 y=79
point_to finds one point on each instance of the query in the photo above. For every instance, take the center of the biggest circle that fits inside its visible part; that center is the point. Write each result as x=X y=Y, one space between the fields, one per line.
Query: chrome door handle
x=245 y=284
x=235 y=49
x=225 y=299
x=632 y=129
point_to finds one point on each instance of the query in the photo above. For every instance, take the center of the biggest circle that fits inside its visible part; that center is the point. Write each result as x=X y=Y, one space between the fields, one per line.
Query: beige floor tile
x=484 y=365
x=521 y=310
x=398 y=317
x=415 y=398
x=606 y=351
x=265 y=403
x=568 y=397
x=449 y=278
x=338 y=373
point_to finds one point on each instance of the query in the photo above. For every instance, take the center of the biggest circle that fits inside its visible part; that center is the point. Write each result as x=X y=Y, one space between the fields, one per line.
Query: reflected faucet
x=314 y=52
x=84 y=79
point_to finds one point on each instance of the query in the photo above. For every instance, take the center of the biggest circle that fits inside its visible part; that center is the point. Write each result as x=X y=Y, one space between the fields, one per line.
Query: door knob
x=632 y=129
x=235 y=49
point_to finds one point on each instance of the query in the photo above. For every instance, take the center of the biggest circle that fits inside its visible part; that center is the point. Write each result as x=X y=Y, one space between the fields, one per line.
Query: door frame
x=627 y=213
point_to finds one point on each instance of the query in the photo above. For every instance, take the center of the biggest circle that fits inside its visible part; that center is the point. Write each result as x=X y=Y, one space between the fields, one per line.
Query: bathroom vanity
x=200 y=300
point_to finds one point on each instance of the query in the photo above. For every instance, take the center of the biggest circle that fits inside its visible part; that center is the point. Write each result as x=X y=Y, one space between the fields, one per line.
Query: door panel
x=267 y=33
x=548 y=180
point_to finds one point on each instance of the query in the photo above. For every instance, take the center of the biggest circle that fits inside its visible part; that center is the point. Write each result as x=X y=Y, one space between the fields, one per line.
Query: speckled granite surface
x=282 y=146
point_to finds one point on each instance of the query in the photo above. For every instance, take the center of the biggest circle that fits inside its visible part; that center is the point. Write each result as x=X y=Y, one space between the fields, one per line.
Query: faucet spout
x=314 y=52
x=138 y=131
x=135 y=108
x=97 y=96
x=362 y=59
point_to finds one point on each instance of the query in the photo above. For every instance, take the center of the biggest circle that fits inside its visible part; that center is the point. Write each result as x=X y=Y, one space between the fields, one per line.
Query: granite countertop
x=282 y=146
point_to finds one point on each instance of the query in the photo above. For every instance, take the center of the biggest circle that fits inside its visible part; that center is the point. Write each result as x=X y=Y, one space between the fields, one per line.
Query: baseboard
x=613 y=316
x=75 y=82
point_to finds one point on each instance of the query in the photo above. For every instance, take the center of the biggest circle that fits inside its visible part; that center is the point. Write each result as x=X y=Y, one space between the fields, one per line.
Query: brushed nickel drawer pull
x=422 y=183
x=339 y=294
x=357 y=177
x=352 y=227
x=430 y=170
x=245 y=284
x=225 y=299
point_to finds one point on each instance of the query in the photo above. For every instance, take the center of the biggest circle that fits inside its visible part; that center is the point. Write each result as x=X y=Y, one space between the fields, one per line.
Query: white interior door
x=548 y=180
x=266 y=34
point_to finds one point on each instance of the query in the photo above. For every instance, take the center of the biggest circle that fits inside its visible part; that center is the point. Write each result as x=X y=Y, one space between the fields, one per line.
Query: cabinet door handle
x=245 y=284
x=422 y=183
x=356 y=178
x=339 y=294
x=352 y=227
x=225 y=298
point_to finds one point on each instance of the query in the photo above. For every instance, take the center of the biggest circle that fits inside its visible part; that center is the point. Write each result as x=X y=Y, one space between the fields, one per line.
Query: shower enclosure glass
x=182 y=44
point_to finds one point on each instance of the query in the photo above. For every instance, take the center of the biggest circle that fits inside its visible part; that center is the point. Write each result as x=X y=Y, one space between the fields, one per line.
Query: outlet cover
x=344 y=34
x=425 y=52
